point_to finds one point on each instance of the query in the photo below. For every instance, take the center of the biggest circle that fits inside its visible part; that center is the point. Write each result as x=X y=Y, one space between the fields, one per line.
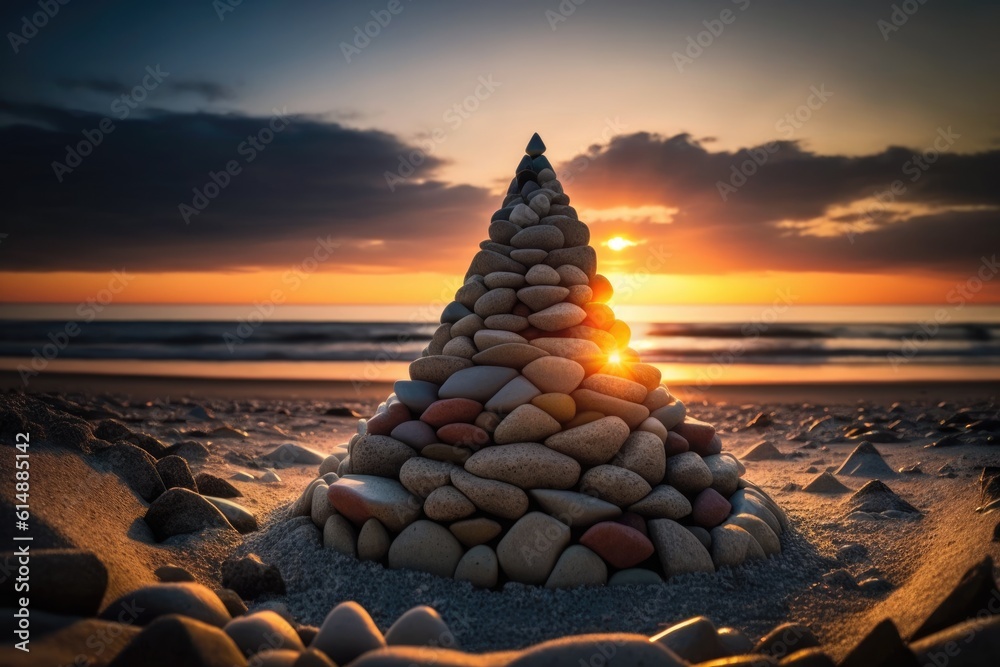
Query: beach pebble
x=479 y=383
x=700 y=436
x=70 y=582
x=679 y=551
x=330 y=464
x=560 y=407
x=527 y=465
x=725 y=473
x=674 y=445
x=339 y=535
x=347 y=632
x=250 y=577
x=436 y=369
x=260 y=630
x=515 y=393
x=416 y=434
x=491 y=496
x=473 y=532
x=180 y=511
x=420 y=626
x=210 y=485
x=663 y=502
x=144 y=605
x=579 y=295
x=709 y=509
x=460 y=346
x=447 y=504
x=744 y=503
x=585 y=650
x=468 y=294
x=135 y=467
x=542 y=274
x=511 y=355
x=380 y=455
x=531 y=547
x=465 y=435
x=496 y=302
x=427 y=547
x=451 y=411
x=632 y=413
x=542 y=237
x=510 y=322
x=760 y=531
x=574 y=232
x=593 y=443
x=731 y=546
x=540 y=205
x=540 y=297
x=451 y=313
x=642 y=453
x=502 y=231
x=467 y=326
x=290 y=453
x=416 y=395
x=559 y=316
x=574 y=509
x=526 y=423
x=620 y=545
x=505 y=279
x=421 y=475
x=240 y=517
x=635 y=576
x=187 y=642
x=583 y=257
x=578 y=566
x=688 y=473
x=388 y=417
x=168 y=574
x=487 y=261
x=479 y=566
x=654 y=426
x=487 y=338
x=447 y=453
x=695 y=640
x=523 y=215
x=554 y=374
x=618 y=387
x=616 y=485
x=670 y=415
x=373 y=541
x=176 y=474
x=363 y=497
x=269 y=477
x=442 y=334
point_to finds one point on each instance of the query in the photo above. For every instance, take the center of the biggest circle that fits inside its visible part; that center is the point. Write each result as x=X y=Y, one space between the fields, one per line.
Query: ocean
x=692 y=345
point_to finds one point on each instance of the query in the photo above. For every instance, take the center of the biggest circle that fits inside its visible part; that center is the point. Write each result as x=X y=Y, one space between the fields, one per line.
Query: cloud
x=120 y=206
x=781 y=207
x=211 y=91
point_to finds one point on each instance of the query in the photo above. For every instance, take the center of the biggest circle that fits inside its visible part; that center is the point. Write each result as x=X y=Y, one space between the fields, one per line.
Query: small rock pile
x=530 y=443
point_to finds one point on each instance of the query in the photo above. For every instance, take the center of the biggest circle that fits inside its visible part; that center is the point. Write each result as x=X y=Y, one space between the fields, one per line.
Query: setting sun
x=619 y=243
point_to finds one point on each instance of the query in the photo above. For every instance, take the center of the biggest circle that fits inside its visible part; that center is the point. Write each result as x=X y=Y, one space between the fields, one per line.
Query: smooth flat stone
x=688 y=473
x=578 y=566
x=554 y=374
x=542 y=274
x=582 y=257
x=678 y=549
x=591 y=444
x=487 y=338
x=505 y=279
x=663 y=502
x=451 y=411
x=540 y=297
x=618 y=544
x=415 y=433
x=527 y=465
x=617 y=387
x=437 y=369
x=560 y=407
x=632 y=414
x=583 y=351
x=416 y=395
x=493 y=497
x=615 y=485
x=559 y=316
x=575 y=233
x=574 y=509
x=642 y=453
x=380 y=455
x=479 y=566
x=472 y=532
x=363 y=497
x=427 y=547
x=541 y=237
x=514 y=394
x=448 y=504
x=420 y=476
x=525 y=423
x=479 y=383
x=531 y=547
x=510 y=355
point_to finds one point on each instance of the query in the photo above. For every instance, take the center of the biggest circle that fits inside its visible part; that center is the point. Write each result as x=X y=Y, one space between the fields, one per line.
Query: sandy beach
x=839 y=574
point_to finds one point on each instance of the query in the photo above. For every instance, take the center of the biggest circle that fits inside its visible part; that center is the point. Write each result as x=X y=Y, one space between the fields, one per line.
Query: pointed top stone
x=535 y=146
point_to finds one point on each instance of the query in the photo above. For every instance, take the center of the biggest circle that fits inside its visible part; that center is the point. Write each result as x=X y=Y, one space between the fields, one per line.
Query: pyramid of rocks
x=530 y=443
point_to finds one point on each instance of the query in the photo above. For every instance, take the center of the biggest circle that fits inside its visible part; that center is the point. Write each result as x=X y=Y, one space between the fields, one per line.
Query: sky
x=721 y=152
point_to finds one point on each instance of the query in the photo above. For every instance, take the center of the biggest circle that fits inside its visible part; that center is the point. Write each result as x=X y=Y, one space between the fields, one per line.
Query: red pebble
x=675 y=444
x=451 y=411
x=467 y=435
x=698 y=434
x=710 y=508
x=633 y=520
x=618 y=544
x=382 y=424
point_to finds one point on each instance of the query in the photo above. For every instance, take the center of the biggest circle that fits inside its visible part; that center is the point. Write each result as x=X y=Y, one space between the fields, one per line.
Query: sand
x=920 y=559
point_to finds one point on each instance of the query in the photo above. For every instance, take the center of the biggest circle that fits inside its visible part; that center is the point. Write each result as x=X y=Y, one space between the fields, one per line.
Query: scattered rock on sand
x=186 y=641
x=180 y=511
x=347 y=632
x=250 y=577
x=71 y=582
x=134 y=466
x=420 y=626
x=292 y=454
x=763 y=451
x=175 y=473
x=877 y=498
x=210 y=485
x=262 y=629
x=148 y=603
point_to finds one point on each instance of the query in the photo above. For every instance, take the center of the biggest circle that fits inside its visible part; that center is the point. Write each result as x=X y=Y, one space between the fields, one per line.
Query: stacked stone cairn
x=530 y=443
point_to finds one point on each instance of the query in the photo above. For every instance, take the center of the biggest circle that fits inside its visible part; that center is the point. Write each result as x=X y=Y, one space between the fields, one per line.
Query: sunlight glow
x=614 y=358
x=619 y=243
